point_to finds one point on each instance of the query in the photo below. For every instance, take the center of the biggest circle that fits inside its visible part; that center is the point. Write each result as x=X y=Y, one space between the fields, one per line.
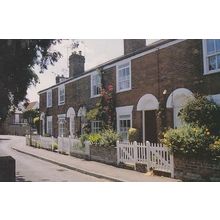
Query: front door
x=151 y=126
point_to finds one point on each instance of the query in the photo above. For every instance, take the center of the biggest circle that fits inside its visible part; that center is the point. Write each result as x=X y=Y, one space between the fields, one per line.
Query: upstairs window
x=123 y=77
x=211 y=50
x=61 y=95
x=49 y=98
x=95 y=84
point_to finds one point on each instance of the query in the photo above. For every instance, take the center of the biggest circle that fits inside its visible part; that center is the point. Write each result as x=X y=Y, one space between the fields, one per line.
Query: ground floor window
x=124 y=125
x=72 y=126
x=124 y=121
x=96 y=126
x=49 y=125
x=61 y=125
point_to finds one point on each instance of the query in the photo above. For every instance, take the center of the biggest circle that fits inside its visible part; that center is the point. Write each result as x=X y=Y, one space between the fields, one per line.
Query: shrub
x=191 y=140
x=54 y=146
x=109 y=138
x=83 y=138
x=95 y=139
x=106 y=138
x=132 y=134
x=215 y=147
x=202 y=112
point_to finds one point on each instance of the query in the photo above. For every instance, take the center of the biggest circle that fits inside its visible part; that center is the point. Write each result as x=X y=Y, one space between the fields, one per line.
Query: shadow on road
x=5 y=139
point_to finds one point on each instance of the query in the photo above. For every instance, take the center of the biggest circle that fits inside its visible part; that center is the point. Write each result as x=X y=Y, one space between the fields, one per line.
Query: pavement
x=92 y=168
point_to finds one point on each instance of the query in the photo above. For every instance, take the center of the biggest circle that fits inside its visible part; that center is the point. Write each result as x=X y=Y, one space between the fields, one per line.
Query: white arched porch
x=148 y=104
x=176 y=100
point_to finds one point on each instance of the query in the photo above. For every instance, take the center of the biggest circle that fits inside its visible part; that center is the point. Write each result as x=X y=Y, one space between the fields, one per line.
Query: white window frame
x=93 y=75
x=205 y=59
x=122 y=111
x=94 y=128
x=50 y=119
x=49 y=98
x=118 y=68
x=61 y=117
x=61 y=87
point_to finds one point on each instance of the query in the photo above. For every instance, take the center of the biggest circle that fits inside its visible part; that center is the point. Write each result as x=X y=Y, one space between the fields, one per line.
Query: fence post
x=69 y=144
x=87 y=149
x=172 y=165
x=135 y=154
x=40 y=142
x=52 y=143
x=118 y=152
x=148 y=155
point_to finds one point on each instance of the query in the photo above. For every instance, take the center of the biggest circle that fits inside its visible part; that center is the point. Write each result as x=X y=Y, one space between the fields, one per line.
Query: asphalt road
x=30 y=169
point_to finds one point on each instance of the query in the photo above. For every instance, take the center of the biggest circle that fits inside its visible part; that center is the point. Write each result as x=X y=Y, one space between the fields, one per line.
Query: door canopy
x=147 y=102
x=70 y=112
x=179 y=97
x=81 y=112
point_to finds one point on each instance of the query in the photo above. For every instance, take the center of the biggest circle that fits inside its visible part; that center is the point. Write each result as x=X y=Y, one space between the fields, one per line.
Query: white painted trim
x=146 y=52
x=125 y=110
x=70 y=112
x=117 y=62
x=147 y=102
x=176 y=93
x=205 y=59
x=117 y=72
x=143 y=124
x=81 y=112
x=215 y=98
x=50 y=91
x=94 y=73
x=50 y=119
x=62 y=86
x=42 y=116
x=61 y=116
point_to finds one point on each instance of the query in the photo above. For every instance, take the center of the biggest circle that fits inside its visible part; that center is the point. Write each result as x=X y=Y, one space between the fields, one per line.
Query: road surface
x=30 y=169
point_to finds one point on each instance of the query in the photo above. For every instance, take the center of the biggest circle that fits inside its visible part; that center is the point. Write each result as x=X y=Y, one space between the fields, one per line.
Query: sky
x=96 y=51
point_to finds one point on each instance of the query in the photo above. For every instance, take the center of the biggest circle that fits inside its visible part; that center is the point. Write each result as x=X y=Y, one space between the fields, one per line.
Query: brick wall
x=102 y=154
x=177 y=66
x=191 y=169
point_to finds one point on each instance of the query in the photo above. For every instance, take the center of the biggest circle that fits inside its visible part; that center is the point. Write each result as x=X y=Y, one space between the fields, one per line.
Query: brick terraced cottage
x=151 y=84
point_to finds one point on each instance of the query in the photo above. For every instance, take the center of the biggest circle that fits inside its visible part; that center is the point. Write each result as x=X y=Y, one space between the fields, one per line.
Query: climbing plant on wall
x=105 y=108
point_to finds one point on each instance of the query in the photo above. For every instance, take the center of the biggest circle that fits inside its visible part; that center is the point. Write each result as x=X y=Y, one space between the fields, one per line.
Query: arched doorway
x=148 y=104
x=176 y=100
x=71 y=115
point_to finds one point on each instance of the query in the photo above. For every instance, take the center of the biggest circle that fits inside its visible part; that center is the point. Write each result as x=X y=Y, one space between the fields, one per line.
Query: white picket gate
x=155 y=156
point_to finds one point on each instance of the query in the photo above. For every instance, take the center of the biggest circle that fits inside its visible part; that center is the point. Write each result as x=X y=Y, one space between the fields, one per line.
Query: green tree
x=17 y=61
x=202 y=112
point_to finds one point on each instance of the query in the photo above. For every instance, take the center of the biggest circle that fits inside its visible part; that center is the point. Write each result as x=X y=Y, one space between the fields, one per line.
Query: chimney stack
x=76 y=64
x=132 y=45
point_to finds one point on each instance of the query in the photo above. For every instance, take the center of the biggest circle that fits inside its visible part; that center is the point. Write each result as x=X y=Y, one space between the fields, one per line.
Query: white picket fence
x=66 y=145
x=42 y=142
x=155 y=156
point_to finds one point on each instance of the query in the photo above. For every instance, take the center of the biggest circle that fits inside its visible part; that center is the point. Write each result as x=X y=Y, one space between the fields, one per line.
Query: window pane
x=212 y=63
x=218 y=61
x=210 y=46
x=217 y=45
